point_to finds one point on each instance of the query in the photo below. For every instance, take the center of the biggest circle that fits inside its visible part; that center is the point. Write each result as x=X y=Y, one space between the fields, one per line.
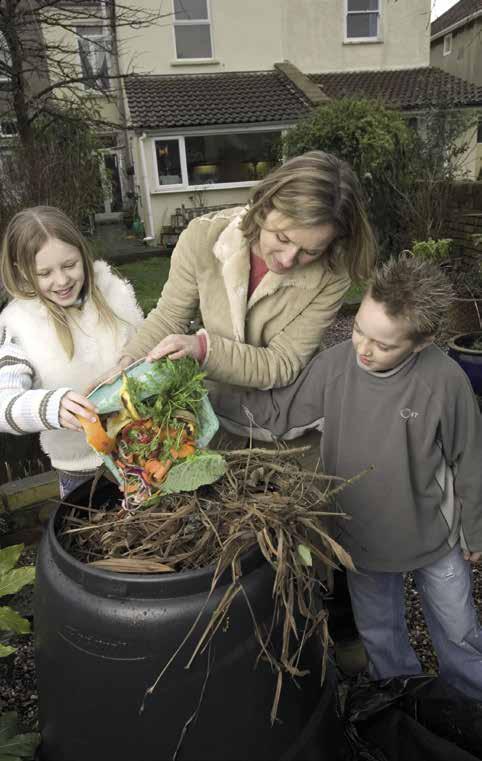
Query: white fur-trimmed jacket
x=35 y=372
x=262 y=342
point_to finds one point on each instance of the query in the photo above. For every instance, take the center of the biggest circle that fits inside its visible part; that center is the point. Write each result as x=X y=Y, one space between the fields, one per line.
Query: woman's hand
x=74 y=404
x=111 y=375
x=175 y=347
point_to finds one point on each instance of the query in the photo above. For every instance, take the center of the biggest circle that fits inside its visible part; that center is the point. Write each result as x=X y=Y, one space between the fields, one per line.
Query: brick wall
x=465 y=217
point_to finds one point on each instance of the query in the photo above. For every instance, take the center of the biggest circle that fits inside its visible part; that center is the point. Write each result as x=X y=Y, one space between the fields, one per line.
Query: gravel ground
x=18 y=690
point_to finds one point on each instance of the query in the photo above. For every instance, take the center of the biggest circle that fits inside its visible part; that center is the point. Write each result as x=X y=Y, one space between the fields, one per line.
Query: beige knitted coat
x=262 y=342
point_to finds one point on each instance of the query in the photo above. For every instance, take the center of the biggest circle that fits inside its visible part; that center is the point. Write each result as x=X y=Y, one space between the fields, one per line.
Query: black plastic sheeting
x=418 y=718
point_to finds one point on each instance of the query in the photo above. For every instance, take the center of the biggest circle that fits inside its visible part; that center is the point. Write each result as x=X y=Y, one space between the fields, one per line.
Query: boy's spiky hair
x=414 y=289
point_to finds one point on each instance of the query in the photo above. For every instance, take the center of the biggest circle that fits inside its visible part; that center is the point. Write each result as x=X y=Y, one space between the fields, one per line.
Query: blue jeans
x=445 y=589
x=68 y=482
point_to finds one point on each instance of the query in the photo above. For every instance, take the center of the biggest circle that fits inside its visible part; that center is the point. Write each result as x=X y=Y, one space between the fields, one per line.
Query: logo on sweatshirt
x=407 y=413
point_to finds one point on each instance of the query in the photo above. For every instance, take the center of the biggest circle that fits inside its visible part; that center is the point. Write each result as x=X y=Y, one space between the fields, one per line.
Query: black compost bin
x=101 y=639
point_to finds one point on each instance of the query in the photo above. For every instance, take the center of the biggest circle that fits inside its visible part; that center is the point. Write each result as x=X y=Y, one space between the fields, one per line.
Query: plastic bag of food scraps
x=154 y=424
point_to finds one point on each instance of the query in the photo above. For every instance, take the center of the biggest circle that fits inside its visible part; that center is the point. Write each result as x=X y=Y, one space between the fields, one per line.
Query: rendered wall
x=465 y=60
x=253 y=35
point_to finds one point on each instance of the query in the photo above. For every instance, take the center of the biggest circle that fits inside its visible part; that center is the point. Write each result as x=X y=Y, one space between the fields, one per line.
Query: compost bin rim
x=169 y=584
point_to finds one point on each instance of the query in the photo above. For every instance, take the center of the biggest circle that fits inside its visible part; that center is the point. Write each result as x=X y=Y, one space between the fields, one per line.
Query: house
x=456 y=47
x=226 y=79
x=456 y=41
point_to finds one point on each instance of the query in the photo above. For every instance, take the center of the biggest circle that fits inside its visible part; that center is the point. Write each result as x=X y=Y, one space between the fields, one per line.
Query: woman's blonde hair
x=27 y=232
x=315 y=189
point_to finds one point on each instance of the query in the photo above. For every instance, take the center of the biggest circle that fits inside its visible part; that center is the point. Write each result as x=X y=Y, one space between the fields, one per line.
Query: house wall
x=465 y=59
x=310 y=33
x=108 y=105
x=313 y=35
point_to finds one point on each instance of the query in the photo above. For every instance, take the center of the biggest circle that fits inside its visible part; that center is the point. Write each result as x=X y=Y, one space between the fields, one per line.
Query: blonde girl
x=68 y=319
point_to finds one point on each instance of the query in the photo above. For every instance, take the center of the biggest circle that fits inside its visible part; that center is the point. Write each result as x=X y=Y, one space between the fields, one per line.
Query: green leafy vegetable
x=204 y=468
x=175 y=386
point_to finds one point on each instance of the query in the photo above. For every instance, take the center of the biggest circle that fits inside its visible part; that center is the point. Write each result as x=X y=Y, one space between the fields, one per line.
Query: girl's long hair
x=314 y=189
x=27 y=232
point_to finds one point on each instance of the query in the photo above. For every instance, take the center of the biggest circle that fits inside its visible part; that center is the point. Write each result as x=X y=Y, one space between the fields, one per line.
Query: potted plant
x=466 y=345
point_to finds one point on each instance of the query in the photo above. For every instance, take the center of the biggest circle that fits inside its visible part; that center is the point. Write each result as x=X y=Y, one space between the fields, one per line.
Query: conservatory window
x=363 y=19
x=216 y=159
x=94 y=50
x=192 y=29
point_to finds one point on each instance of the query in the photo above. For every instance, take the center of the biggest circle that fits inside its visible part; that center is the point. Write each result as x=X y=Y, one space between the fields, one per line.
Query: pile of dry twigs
x=264 y=499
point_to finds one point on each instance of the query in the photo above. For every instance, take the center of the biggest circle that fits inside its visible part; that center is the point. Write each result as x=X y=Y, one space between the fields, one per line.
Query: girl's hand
x=111 y=375
x=474 y=557
x=74 y=404
x=175 y=347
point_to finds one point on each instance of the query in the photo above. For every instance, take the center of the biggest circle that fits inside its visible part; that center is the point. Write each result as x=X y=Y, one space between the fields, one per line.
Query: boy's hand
x=111 y=375
x=474 y=557
x=175 y=347
x=74 y=404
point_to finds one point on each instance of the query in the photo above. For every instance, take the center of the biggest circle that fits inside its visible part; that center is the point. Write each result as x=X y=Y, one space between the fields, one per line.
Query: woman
x=268 y=279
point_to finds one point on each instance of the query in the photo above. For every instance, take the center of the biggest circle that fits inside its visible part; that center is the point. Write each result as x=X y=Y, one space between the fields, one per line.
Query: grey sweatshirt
x=419 y=427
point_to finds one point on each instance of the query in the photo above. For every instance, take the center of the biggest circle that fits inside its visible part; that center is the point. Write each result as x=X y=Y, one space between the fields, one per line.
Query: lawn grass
x=147 y=277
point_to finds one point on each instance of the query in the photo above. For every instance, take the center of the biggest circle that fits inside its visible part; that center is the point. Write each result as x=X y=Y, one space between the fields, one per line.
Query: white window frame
x=356 y=40
x=192 y=22
x=105 y=36
x=184 y=185
x=447 y=48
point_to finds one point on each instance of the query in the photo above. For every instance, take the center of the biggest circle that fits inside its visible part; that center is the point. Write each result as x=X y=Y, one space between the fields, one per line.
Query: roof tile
x=403 y=88
x=456 y=13
x=187 y=100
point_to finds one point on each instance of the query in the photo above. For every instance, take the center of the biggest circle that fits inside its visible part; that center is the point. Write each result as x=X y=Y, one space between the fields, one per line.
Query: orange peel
x=96 y=435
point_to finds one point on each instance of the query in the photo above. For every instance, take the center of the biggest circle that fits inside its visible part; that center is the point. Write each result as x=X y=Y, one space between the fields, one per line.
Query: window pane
x=363 y=5
x=193 y=41
x=90 y=31
x=362 y=25
x=190 y=9
x=231 y=158
x=168 y=162
x=94 y=50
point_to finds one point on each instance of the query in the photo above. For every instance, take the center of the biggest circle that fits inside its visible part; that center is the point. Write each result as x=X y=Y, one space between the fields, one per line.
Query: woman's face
x=283 y=246
x=60 y=272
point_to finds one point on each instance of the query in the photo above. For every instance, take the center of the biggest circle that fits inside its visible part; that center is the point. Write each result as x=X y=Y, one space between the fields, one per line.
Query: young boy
x=392 y=400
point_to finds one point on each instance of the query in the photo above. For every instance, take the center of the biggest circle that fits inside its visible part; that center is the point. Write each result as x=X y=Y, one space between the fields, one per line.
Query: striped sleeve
x=24 y=409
